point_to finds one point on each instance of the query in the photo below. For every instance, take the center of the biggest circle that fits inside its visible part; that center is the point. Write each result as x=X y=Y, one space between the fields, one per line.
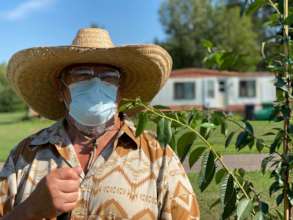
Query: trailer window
x=247 y=88
x=184 y=90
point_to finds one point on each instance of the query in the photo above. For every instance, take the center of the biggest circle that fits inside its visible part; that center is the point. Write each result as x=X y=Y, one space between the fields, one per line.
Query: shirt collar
x=56 y=135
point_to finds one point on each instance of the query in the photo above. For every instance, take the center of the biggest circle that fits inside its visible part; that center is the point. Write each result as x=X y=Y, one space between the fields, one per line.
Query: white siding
x=268 y=91
x=166 y=95
x=210 y=101
x=265 y=92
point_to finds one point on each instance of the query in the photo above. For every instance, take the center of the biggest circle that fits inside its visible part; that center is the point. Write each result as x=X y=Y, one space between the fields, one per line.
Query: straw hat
x=32 y=72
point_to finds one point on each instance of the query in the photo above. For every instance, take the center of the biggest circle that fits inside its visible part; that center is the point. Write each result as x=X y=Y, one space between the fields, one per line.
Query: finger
x=66 y=207
x=68 y=186
x=67 y=174
x=70 y=197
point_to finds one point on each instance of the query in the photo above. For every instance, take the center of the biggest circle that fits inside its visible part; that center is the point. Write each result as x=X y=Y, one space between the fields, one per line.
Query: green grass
x=13 y=129
x=211 y=194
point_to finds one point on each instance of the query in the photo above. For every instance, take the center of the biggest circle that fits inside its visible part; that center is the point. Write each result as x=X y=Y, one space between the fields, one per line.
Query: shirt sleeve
x=8 y=186
x=179 y=200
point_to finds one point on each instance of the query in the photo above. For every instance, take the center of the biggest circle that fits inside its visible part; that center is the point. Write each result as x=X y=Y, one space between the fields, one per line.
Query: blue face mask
x=93 y=102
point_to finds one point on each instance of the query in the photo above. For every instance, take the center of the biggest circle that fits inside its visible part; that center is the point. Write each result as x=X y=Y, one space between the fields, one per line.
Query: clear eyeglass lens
x=85 y=74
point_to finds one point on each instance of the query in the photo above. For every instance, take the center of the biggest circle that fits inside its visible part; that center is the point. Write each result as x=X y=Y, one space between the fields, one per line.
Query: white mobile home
x=230 y=91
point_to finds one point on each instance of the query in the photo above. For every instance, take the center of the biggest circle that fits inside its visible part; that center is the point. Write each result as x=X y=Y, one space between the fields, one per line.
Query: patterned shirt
x=132 y=178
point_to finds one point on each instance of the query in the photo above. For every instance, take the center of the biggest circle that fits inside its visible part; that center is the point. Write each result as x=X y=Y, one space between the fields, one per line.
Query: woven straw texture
x=33 y=72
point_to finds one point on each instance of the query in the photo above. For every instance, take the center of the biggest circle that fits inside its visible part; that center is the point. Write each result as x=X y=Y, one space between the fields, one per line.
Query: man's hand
x=56 y=192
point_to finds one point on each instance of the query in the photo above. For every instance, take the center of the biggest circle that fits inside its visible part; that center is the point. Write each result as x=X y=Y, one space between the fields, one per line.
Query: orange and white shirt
x=132 y=178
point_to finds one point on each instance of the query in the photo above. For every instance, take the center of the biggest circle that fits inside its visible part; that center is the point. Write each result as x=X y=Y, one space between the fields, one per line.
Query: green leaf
x=174 y=116
x=229 y=208
x=229 y=138
x=184 y=141
x=208 y=125
x=195 y=155
x=160 y=131
x=290 y=197
x=125 y=105
x=227 y=189
x=182 y=117
x=241 y=172
x=265 y=162
x=229 y=59
x=164 y=131
x=289 y=20
x=279 y=199
x=218 y=118
x=215 y=203
x=193 y=122
x=253 y=7
x=251 y=142
x=279 y=214
x=206 y=43
x=274 y=187
x=260 y=144
x=161 y=107
x=277 y=141
x=259 y=216
x=168 y=131
x=242 y=140
x=142 y=121
x=249 y=128
x=281 y=83
x=286 y=111
x=207 y=170
x=173 y=143
x=264 y=207
x=243 y=7
x=268 y=134
x=244 y=208
x=224 y=128
x=219 y=175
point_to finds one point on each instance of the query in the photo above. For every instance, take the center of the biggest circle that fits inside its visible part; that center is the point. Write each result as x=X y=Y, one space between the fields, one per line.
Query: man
x=90 y=165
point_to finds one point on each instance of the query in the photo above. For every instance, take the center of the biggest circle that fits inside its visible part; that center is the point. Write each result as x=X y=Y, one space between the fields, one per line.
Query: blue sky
x=29 y=23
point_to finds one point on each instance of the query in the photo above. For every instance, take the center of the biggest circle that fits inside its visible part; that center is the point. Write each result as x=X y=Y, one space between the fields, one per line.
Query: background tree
x=188 y=22
x=265 y=24
x=8 y=99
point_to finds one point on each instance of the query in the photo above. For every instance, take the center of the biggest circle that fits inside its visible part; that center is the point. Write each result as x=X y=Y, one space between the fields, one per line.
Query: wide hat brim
x=33 y=72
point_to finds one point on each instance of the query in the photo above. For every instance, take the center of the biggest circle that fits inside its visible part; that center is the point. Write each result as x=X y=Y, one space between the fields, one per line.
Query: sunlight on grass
x=13 y=129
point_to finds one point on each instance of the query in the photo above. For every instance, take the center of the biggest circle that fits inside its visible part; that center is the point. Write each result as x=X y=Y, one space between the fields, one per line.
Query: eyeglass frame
x=90 y=71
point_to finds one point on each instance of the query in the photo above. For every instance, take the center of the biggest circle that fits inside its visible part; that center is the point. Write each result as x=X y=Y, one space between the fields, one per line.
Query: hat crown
x=93 y=37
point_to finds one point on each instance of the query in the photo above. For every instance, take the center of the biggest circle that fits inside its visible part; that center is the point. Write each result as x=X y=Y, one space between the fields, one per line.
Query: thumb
x=78 y=170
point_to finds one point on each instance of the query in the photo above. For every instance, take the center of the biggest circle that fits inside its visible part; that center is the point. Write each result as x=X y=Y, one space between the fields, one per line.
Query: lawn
x=207 y=198
x=13 y=129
